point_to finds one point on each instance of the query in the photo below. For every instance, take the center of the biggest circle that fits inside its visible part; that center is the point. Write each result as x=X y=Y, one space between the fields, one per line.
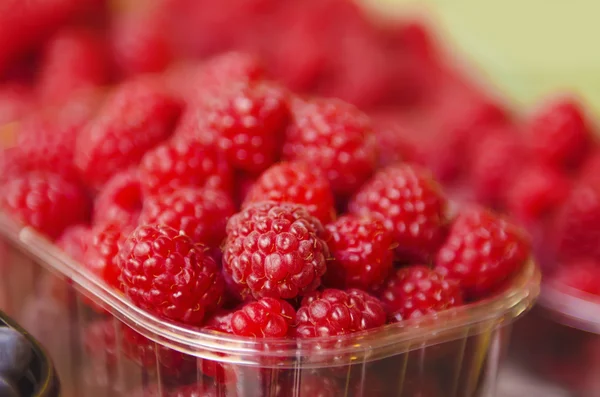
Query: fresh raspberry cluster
x=323 y=242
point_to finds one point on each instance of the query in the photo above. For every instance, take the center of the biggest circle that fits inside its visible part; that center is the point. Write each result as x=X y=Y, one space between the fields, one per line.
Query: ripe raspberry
x=15 y=102
x=497 y=158
x=482 y=251
x=184 y=162
x=199 y=213
x=276 y=250
x=101 y=252
x=336 y=138
x=247 y=121
x=363 y=251
x=577 y=223
x=537 y=192
x=295 y=183
x=335 y=312
x=165 y=272
x=73 y=241
x=559 y=133
x=410 y=204
x=417 y=291
x=266 y=318
x=120 y=200
x=139 y=43
x=73 y=60
x=583 y=275
x=137 y=117
x=47 y=202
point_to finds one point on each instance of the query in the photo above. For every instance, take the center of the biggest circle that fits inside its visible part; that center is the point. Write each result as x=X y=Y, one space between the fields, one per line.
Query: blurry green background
x=528 y=48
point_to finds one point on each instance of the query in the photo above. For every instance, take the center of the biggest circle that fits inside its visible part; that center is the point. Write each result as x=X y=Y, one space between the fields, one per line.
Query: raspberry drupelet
x=417 y=291
x=362 y=250
x=336 y=312
x=410 y=204
x=482 y=251
x=276 y=249
x=297 y=183
x=334 y=137
x=165 y=272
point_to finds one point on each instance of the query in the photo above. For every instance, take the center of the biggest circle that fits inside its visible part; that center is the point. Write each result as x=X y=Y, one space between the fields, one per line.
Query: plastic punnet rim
x=386 y=341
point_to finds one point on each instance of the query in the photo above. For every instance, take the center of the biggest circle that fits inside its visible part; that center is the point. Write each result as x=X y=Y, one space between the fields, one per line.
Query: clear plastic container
x=559 y=341
x=104 y=346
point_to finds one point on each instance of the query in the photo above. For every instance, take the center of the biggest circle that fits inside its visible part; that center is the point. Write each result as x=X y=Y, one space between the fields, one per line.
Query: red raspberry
x=73 y=241
x=15 y=102
x=559 y=133
x=410 y=204
x=482 y=251
x=266 y=318
x=335 y=312
x=140 y=43
x=165 y=272
x=295 y=183
x=497 y=158
x=583 y=275
x=120 y=200
x=199 y=213
x=47 y=140
x=137 y=117
x=74 y=60
x=247 y=121
x=276 y=250
x=45 y=201
x=537 y=192
x=417 y=291
x=363 y=252
x=184 y=162
x=577 y=223
x=336 y=138
x=101 y=252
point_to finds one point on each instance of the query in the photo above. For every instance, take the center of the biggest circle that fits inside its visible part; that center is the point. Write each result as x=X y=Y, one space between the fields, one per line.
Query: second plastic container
x=104 y=346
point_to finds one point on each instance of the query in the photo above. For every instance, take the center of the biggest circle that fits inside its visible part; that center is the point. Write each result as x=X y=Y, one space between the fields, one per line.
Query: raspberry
x=247 y=121
x=336 y=138
x=165 y=272
x=577 y=223
x=497 y=158
x=481 y=251
x=101 y=253
x=417 y=291
x=295 y=183
x=583 y=275
x=15 y=102
x=120 y=200
x=74 y=60
x=137 y=117
x=184 y=162
x=410 y=204
x=47 y=202
x=199 y=213
x=335 y=312
x=266 y=318
x=559 y=133
x=276 y=250
x=362 y=249
x=536 y=193
x=140 y=43
x=73 y=241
